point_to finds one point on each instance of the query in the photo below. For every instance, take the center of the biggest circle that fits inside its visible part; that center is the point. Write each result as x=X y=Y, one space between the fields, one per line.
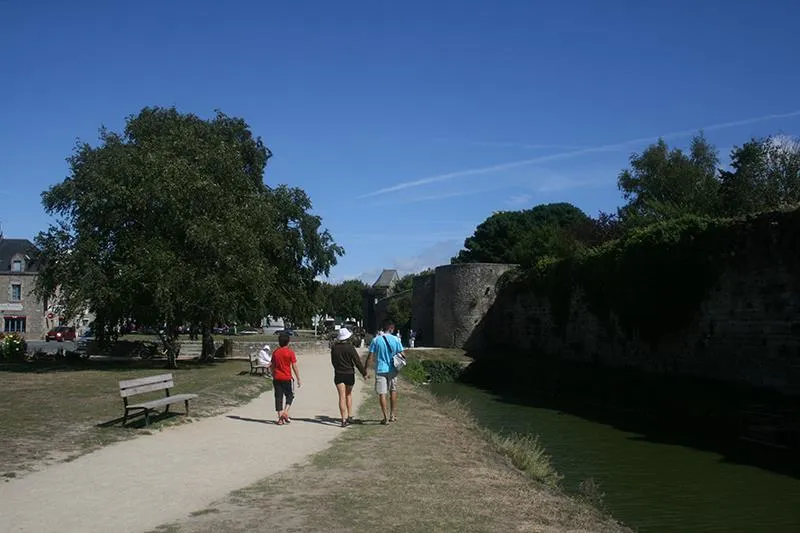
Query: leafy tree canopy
x=524 y=236
x=765 y=174
x=348 y=299
x=662 y=183
x=170 y=222
x=399 y=306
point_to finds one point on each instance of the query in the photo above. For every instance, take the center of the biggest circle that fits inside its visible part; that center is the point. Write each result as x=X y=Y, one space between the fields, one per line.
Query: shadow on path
x=245 y=419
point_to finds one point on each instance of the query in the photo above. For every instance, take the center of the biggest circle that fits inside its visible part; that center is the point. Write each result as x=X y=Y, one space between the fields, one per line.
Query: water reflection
x=652 y=486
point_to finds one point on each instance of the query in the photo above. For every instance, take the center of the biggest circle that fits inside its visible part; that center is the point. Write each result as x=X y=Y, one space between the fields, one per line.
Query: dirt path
x=136 y=485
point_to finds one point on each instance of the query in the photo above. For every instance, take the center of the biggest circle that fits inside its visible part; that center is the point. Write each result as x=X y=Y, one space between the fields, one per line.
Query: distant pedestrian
x=284 y=361
x=345 y=359
x=412 y=337
x=384 y=348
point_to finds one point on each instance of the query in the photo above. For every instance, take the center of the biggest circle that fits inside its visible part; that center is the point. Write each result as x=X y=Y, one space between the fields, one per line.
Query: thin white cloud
x=517 y=200
x=403 y=237
x=434 y=255
x=574 y=153
x=433 y=197
x=511 y=144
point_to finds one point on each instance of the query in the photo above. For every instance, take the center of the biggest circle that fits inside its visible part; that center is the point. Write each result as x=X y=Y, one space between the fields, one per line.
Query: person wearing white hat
x=265 y=357
x=345 y=360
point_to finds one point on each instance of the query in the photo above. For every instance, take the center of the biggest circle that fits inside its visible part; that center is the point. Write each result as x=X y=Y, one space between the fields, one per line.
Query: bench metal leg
x=166 y=408
x=147 y=417
x=186 y=403
x=125 y=417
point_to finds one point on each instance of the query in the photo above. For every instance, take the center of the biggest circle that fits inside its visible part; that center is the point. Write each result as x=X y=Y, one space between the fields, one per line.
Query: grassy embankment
x=51 y=413
x=434 y=469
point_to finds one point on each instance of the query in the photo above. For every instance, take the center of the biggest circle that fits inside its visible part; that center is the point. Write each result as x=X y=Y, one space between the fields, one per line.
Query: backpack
x=397 y=359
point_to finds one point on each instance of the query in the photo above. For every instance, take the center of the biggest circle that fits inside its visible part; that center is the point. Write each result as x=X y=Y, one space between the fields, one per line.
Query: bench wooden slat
x=132 y=387
x=163 y=401
x=161 y=385
x=144 y=381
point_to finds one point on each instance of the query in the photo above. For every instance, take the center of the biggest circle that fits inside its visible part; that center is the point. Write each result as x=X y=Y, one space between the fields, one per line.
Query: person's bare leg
x=348 y=391
x=393 y=400
x=341 y=389
x=382 y=400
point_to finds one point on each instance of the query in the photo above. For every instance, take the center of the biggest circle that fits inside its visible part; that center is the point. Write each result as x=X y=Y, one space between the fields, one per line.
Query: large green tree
x=348 y=299
x=525 y=236
x=764 y=174
x=399 y=305
x=662 y=183
x=170 y=223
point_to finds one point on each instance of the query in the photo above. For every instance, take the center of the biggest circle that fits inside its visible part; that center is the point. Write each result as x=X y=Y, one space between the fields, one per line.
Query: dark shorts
x=347 y=379
x=283 y=389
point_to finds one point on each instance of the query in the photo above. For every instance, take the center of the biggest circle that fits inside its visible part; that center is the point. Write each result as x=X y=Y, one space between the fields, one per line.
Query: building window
x=16 y=292
x=14 y=324
x=16 y=265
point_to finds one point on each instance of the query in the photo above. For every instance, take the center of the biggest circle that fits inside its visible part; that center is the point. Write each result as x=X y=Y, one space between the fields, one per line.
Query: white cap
x=344 y=334
x=266 y=347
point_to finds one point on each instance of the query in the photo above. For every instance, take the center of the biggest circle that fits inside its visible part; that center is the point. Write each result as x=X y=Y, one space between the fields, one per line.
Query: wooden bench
x=132 y=387
x=255 y=365
x=191 y=349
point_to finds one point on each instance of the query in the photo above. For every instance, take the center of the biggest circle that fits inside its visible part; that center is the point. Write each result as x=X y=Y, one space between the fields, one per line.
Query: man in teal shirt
x=384 y=347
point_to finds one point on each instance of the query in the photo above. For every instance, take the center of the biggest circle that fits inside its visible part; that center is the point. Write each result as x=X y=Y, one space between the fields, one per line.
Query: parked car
x=287 y=331
x=85 y=340
x=61 y=333
x=248 y=331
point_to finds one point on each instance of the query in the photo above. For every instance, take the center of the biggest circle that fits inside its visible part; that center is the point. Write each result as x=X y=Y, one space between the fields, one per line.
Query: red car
x=61 y=333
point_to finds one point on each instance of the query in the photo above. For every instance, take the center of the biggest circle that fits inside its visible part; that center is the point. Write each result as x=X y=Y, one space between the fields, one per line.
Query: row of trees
x=170 y=223
x=661 y=183
x=344 y=300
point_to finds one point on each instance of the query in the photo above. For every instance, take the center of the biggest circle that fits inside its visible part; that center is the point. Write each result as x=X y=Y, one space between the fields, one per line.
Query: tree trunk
x=170 y=339
x=207 y=353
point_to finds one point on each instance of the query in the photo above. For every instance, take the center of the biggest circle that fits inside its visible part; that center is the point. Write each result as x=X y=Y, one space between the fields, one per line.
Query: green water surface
x=650 y=486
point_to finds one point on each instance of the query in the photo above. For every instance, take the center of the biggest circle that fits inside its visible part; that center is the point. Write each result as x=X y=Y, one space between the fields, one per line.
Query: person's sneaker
x=344 y=423
x=280 y=421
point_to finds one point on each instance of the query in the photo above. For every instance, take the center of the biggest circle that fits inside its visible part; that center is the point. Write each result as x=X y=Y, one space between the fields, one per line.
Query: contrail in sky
x=572 y=153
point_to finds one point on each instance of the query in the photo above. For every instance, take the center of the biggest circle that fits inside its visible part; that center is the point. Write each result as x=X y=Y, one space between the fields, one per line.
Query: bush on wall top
x=654 y=279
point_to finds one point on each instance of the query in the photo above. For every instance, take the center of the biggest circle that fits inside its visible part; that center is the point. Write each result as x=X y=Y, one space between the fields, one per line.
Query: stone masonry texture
x=463 y=295
x=745 y=331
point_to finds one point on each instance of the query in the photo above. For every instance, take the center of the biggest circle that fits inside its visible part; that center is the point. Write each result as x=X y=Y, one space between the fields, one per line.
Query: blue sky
x=407 y=123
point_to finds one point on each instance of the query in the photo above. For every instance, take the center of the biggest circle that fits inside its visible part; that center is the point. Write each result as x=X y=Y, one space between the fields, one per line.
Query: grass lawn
x=433 y=470
x=55 y=413
x=437 y=354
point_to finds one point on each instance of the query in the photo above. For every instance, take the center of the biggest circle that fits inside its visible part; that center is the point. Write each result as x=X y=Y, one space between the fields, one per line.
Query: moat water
x=650 y=484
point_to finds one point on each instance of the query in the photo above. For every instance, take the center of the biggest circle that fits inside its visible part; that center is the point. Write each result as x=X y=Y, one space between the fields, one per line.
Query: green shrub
x=13 y=348
x=654 y=278
x=415 y=372
x=424 y=371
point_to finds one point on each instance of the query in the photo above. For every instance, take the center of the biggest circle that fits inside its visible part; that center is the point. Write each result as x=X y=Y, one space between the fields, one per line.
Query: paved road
x=52 y=346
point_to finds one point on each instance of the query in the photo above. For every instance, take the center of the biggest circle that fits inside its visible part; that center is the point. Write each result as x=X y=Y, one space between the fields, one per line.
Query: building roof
x=11 y=247
x=386 y=279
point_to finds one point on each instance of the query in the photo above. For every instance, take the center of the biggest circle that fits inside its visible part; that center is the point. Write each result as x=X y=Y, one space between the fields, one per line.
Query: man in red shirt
x=283 y=363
